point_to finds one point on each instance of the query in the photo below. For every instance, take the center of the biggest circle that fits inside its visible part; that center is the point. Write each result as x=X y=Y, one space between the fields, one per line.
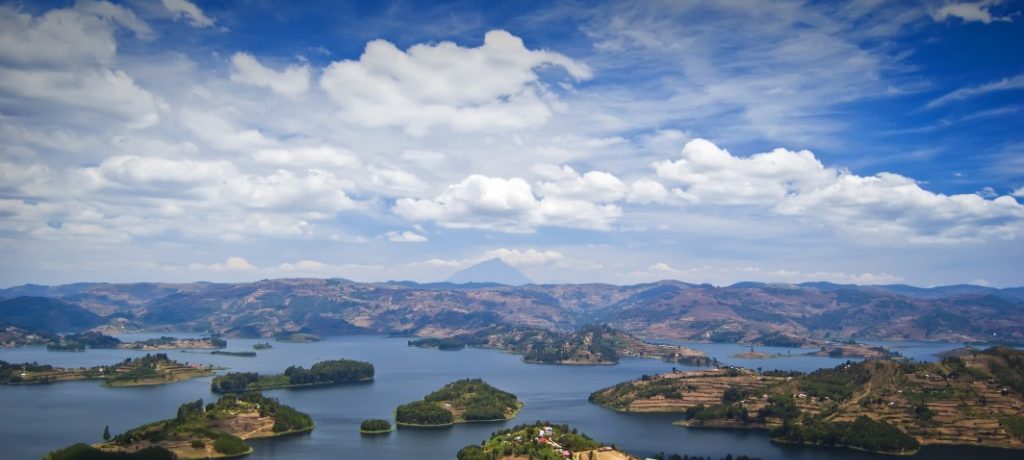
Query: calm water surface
x=37 y=419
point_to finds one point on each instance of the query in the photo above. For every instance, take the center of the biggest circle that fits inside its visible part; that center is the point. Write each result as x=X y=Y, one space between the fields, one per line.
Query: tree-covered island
x=463 y=401
x=324 y=373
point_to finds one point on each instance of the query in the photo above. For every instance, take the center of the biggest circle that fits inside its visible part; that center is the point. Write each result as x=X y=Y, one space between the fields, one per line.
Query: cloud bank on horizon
x=174 y=140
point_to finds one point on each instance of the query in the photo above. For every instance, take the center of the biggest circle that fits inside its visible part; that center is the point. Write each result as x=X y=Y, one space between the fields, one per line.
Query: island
x=886 y=405
x=216 y=430
x=590 y=345
x=541 y=441
x=13 y=336
x=244 y=354
x=262 y=346
x=375 y=426
x=299 y=337
x=172 y=343
x=462 y=401
x=151 y=369
x=332 y=372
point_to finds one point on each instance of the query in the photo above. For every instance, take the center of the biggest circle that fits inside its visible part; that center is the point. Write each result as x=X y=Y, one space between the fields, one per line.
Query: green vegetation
x=469 y=400
x=323 y=373
x=837 y=383
x=65 y=346
x=213 y=424
x=87 y=452
x=299 y=337
x=862 y=433
x=1013 y=424
x=83 y=340
x=423 y=413
x=375 y=426
x=262 y=346
x=540 y=441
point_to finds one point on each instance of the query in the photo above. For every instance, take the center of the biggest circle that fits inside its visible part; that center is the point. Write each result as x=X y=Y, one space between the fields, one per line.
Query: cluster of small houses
x=544 y=437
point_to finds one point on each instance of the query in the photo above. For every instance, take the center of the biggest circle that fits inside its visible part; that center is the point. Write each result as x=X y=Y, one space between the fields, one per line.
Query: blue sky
x=168 y=140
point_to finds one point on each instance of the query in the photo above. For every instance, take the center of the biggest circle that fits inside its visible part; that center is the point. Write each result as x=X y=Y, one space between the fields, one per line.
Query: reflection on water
x=37 y=419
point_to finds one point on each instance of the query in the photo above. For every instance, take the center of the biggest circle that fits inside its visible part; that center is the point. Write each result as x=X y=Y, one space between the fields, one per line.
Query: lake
x=40 y=418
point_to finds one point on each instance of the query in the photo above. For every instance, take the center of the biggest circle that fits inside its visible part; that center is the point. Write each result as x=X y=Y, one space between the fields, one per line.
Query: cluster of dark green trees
x=86 y=452
x=837 y=383
x=322 y=373
x=519 y=442
x=599 y=341
x=477 y=401
x=862 y=433
x=375 y=425
x=423 y=413
x=81 y=341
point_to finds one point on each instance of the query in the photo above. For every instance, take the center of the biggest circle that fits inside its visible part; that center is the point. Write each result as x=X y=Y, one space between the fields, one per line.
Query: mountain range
x=744 y=312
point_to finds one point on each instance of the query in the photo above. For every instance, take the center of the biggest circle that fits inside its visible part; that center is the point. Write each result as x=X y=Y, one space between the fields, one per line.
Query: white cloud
x=467 y=89
x=184 y=9
x=1019 y=193
x=797 y=184
x=1010 y=83
x=507 y=205
x=405 y=237
x=646 y=191
x=731 y=274
x=321 y=156
x=232 y=264
x=969 y=12
x=292 y=82
x=527 y=258
x=565 y=182
x=63 y=37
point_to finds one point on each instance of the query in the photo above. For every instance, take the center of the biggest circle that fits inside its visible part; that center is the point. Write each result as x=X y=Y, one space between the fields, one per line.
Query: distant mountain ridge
x=490 y=271
x=749 y=312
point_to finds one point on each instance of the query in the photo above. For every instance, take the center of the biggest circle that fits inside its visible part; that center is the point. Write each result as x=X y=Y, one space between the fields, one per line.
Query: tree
x=106 y=433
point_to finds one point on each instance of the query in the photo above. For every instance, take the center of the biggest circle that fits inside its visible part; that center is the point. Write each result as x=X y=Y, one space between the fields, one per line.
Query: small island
x=463 y=401
x=244 y=354
x=542 y=441
x=324 y=373
x=216 y=430
x=151 y=369
x=299 y=337
x=262 y=346
x=375 y=426
x=884 y=405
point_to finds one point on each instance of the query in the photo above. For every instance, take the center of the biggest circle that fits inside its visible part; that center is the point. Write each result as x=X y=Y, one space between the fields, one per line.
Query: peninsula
x=881 y=405
x=463 y=401
x=216 y=430
x=324 y=373
x=151 y=369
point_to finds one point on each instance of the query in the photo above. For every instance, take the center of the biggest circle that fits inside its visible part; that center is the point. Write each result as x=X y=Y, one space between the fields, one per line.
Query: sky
x=866 y=142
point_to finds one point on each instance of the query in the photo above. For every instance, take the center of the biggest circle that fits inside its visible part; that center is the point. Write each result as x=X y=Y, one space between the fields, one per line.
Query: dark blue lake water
x=40 y=418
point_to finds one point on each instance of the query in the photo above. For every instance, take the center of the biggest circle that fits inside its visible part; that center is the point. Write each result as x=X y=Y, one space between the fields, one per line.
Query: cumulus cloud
x=405 y=237
x=292 y=82
x=1019 y=193
x=232 y=264
x=491 y=86
x=508 y=205
x=62 y=60
x=1010 y=83
x=184 y=9
x=969 y=12
x=565 y=182
x=797 y=184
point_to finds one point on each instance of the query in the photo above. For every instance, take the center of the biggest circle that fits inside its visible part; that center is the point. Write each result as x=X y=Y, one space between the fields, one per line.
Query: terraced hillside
x=973 y=399
x=155 y=369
